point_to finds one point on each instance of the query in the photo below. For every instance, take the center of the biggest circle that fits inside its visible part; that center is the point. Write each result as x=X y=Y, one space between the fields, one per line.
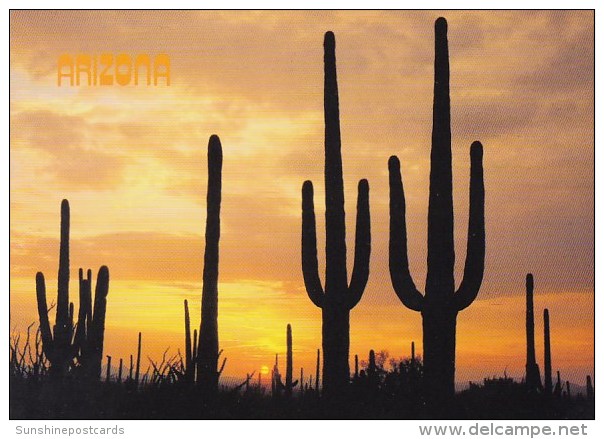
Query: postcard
x=309 y=214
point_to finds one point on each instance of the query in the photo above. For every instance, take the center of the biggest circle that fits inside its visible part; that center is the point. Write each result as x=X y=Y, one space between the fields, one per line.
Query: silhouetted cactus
x=441 y=303
x=90 y=330
x=356 y=366
x=138 y=359
x=119 y=373
x=318 y=371
x=108 y=376
x=61 y=346
x=589 y=388
x=337 y=298
x=207 y=352
x=289 y=365
x=276 y=383
x=547 y=355
x=533 y=376
x=558 y=386
x=190 y=357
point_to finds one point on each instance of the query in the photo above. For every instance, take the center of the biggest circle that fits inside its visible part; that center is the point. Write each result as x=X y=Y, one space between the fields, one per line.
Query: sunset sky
x=132 y=163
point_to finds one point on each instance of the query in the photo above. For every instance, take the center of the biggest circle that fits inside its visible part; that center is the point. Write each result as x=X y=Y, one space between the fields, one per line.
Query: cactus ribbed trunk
x=63 y=329
x=439 y=355
x=547 y=355
x=440 y=304
x=338 y=297
x=207 y=352
x=336 y=326
x=533 y=376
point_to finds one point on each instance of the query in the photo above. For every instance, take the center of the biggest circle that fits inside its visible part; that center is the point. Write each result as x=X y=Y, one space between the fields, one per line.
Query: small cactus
x=289 y=367
x=589 y=388
x=547 y=356
x=533 y=376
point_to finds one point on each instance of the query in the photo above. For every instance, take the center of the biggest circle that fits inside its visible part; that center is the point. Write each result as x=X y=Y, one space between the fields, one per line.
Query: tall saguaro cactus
x=207 y=352
x=533 y=376
x=60 y=346
x=338 y=297
x=441 y=303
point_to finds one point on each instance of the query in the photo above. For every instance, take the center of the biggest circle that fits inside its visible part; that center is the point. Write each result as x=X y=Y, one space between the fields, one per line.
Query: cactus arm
x=96 y=330
x=360 y=272
x=80 y=335
x=474 y=266
x=219 y=372
x=47 y=341
x=399 y=262
x=310 y=264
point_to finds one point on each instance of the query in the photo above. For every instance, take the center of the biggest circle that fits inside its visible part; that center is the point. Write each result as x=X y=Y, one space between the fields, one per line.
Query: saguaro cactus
x=207 y=352
x=190 y=357
x=90 y=330
x=441 y=303
x=87 y=346
x=547 y=355
x=338 y=297
x=289 y=365
x=589 y=387
x=533 y=376
x=58 y=347
x=317 y=370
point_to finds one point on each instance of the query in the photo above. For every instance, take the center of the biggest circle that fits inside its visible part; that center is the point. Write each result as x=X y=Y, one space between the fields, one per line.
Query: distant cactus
x=190 y=351
x=441 y=303
x=138 y=359
x=412 y=352
x=356 y=367
x=589 y=388
x=119 y=373
x=338 y=297
x=289 y=366
x=276 y=383
x=87 y=345
x=558 y=386
x=318 y=370
x=108 y=376
x=547 y=356
x=533 y=376
x=207 y=351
